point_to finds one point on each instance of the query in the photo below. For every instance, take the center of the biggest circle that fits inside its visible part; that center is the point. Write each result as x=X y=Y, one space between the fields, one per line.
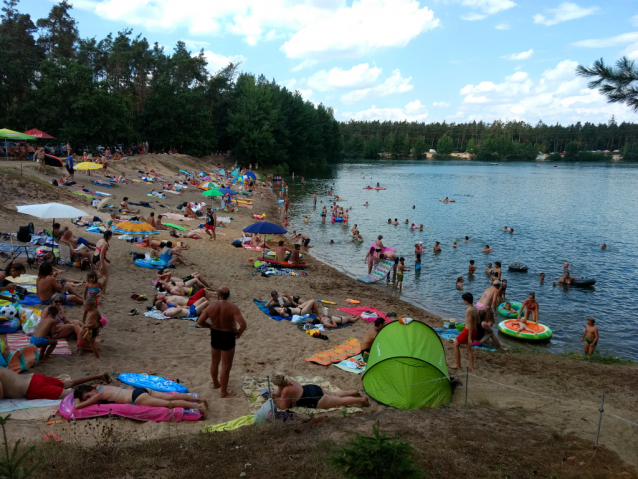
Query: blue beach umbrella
x=265 y=228
x=228 y=191
x=252 y=175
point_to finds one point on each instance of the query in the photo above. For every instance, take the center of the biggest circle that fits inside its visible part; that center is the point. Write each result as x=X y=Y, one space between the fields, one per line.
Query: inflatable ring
x=353 y=301
x=519 y=269
x=508 y=314
x=509 y=328
x=583 y=282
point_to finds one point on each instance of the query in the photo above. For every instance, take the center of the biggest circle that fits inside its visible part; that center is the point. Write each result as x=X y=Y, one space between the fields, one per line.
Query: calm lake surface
x=559 y=215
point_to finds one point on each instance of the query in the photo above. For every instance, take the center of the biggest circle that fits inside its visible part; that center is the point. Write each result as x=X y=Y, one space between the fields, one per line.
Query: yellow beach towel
x=248 y=420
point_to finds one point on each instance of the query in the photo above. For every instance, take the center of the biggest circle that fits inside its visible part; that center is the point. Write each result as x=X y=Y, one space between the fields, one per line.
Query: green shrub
x=377 y=457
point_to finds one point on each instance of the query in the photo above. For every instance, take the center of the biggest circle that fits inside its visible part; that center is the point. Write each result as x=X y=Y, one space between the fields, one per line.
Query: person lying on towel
x=176 y=311
x=39 y=386
x=86 y=395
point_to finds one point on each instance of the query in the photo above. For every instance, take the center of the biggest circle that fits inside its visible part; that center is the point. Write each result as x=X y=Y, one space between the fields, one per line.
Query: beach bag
x=265 y=412
x=23 y=359
x=236 y=243
x=31 y=323
x=25 y=232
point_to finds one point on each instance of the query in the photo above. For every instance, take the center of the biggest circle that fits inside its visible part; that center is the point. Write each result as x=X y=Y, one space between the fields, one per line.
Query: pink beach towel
x=357 y=310
x=19 y=340
x=131 y=411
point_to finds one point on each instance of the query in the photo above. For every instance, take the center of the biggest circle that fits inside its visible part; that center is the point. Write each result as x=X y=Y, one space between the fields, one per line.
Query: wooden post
x=600 y=419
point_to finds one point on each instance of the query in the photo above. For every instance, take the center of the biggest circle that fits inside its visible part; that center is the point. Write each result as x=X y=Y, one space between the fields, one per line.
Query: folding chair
x=65 y=254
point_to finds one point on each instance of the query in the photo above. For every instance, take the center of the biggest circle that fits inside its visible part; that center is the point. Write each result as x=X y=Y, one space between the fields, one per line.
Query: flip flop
x=134 y=296
x=133 y=312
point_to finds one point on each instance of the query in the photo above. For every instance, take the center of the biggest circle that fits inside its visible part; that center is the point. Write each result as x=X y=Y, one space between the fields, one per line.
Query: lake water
x=558 y=214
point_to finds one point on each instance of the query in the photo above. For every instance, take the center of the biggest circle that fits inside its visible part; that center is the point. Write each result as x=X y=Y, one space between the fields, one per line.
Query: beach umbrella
x=88 y=165
x=265 y=228
x=51 y=211
x=34 y=132
x=212 y=193
x=206 y=178
x=207 y=185
x=134 y=228
x=252 y=175
x=227 y=191
x=7 y=134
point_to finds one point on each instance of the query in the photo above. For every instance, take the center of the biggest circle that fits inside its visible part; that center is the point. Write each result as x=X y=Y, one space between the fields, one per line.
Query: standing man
x=211 y=223
x=69 y=166
x=314 y=199
x=468 y=334
x=490 y=297
x=39 y=157
x=286 y=205
x=223 y=333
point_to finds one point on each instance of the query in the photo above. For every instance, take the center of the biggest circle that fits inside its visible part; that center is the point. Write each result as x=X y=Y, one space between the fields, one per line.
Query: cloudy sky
x=429 y=60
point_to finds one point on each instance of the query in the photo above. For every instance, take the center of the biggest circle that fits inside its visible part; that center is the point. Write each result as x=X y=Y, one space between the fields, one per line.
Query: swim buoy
x=583 y=282
x=519 y=269
x=353 y=301
x=510 y=328
x=509 y=314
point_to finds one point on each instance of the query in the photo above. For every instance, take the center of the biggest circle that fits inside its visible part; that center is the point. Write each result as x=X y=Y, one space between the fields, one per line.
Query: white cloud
x=441 y=104
x=565 y=11
x=413 y=111
x=361 y=29
x=629 y=39
x=303 y=64
x=394 y=84
x=519 y=56
x=485 y=8
x=216 y=62
x=357 y=77
x=503 y=26
x=306 y=93
x=556 y=95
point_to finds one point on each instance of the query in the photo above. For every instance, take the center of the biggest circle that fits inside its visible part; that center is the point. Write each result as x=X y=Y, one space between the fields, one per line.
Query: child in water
x=459 y=283
x=509 y=309
x=400 y=271
x=590 y=336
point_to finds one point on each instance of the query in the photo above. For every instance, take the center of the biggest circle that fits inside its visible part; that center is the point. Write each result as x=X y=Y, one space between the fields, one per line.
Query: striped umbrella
x=134 y=228
x=207 y=185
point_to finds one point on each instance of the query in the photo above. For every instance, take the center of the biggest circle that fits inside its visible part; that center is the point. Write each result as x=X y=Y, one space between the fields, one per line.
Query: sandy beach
x=565 y=392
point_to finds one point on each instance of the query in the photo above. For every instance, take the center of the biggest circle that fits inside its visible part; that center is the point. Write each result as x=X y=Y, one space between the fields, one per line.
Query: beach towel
x=155 y=314
x=380 y=271
x=253 y=248
x=253 y=387
x=177 y=216
x=101 y=183
x=262 y=305
x=10 y=248
x=357 y=310
x=139 y=204
x=267 y=269
x=18 y=340
x=32 y=300
x=451 y=334
x=337 y=354
x=350 y=364
x=8 y=405
x=24 y=279
x=177 y=227
x=247 y=420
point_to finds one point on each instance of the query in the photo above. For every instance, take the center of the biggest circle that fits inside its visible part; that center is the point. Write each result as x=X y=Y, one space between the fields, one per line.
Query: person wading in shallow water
x=220 y=318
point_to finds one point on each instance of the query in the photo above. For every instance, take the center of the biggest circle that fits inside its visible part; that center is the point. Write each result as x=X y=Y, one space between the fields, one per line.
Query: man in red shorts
x=211 y=223
x=39 y=386
x=468 y=334
x=181 y=300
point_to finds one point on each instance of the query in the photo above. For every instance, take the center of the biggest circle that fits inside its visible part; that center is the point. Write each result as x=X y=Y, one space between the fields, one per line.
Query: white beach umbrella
x=51 y=211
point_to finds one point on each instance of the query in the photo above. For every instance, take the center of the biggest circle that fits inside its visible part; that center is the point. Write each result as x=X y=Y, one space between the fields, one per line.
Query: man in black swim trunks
x=223 y=333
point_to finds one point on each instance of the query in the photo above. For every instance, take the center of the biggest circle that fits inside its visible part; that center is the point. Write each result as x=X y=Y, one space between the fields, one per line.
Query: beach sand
x=567 y=390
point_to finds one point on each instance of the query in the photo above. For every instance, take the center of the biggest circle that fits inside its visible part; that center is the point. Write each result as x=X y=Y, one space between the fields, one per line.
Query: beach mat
x=19 y=340
x=9 y=248
x=337 y=354
x=451 y=334
x=8 y=405
x=262 y=305
x=344 y=364
x=379 y=272
x=33 y=300
x=271 y=270
x=357 y=310
x=139 y=204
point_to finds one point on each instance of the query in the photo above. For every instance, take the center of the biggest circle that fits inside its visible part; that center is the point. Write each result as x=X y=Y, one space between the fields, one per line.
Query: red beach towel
x=357 y=310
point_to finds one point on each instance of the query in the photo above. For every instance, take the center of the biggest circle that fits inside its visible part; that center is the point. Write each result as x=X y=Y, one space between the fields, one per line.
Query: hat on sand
x=497 y=282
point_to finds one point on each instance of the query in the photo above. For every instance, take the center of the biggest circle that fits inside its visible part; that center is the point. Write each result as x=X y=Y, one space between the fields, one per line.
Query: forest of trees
x=121 y=90
x=489 y=141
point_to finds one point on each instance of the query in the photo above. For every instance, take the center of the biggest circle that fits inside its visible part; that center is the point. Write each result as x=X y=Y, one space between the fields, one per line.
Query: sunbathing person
x=334 y=321
x=176 y=311
x=309 y=307
x=188 y=234
x=88 y=395
x=41 y=338
x=47 y=285
x=39 y=386
x=166 y=275
x=188 y=288
x=292 y=394
x=181 y=300
x=282 y=299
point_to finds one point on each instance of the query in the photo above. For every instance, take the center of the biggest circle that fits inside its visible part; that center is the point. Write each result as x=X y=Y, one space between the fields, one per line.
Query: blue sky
x=430 y=60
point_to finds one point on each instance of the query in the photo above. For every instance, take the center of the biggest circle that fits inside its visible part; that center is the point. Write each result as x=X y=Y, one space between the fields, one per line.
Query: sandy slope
x=568 y=390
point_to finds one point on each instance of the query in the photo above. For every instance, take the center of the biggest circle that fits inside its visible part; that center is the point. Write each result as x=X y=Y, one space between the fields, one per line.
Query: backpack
x=25 y=232
x=23 y=359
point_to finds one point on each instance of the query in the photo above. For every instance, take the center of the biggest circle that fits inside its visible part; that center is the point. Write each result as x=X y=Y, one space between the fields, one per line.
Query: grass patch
x=15 y=173
x=599 y=358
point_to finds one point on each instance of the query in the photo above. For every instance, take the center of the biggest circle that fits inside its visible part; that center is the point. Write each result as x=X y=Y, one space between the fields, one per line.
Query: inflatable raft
x=508 y=314
x=337 y=220
x=510 y=328
x=285 y=264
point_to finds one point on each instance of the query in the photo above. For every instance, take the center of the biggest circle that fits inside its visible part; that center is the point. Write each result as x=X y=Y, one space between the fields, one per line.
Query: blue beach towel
x=451 y=334
x=262 y=305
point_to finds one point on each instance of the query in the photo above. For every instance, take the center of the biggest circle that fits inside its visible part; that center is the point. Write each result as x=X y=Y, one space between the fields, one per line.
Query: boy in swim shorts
x=42 y=335
x=468 y=334
x=590 y=336
x=92 y=325
x=400 y=270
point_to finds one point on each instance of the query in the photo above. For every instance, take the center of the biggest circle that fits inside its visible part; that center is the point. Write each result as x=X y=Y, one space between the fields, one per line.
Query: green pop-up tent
x=407 y=367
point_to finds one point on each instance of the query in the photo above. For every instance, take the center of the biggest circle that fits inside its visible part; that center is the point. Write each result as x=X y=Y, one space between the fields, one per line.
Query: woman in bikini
x=100 y=259
x=530 y=305
x=310 y=306
x=333 y=321
x=370 y=258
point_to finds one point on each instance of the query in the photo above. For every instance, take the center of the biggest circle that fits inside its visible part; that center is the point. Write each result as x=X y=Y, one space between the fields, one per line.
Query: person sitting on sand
x=565 y=279
x=85 y=396
x=530 y=305
x=42 y=335
x=39 y=386
x=295 y=256
x=176 y=311
x=189 y=213
x=368 y=338
x=292 y=394
x=157 y=224
x=485 y=330
x=47 y=285
x=172 y=255
x=280 y=251
x=487 y=249
x=124 y=206
x=280 y=299
x=14 y=271
x=332 y=321
x=309 y=307
x=590 y=336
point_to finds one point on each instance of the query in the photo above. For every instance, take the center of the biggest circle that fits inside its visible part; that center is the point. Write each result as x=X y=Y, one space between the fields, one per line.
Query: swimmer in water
x=488 y=270
x=459 y=283
x=466 y=239
x=407 y=222
x=603 y=246
x=395 y=222
x=542 y=278
x=436 y=248
x=472 y=268
x=487 y=249
x=420 y=227
x=413 y=207
x=378 y=186
x=504 y=228
x=511 y=231
x=389 y=221
x=566 y=266
x=331 y=242
x=565 y=279
x=366 y=204
x=454 y=245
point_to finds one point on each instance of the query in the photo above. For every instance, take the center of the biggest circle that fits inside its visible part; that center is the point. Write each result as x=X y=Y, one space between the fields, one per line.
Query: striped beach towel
x=19 y=340
x=378 y=273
